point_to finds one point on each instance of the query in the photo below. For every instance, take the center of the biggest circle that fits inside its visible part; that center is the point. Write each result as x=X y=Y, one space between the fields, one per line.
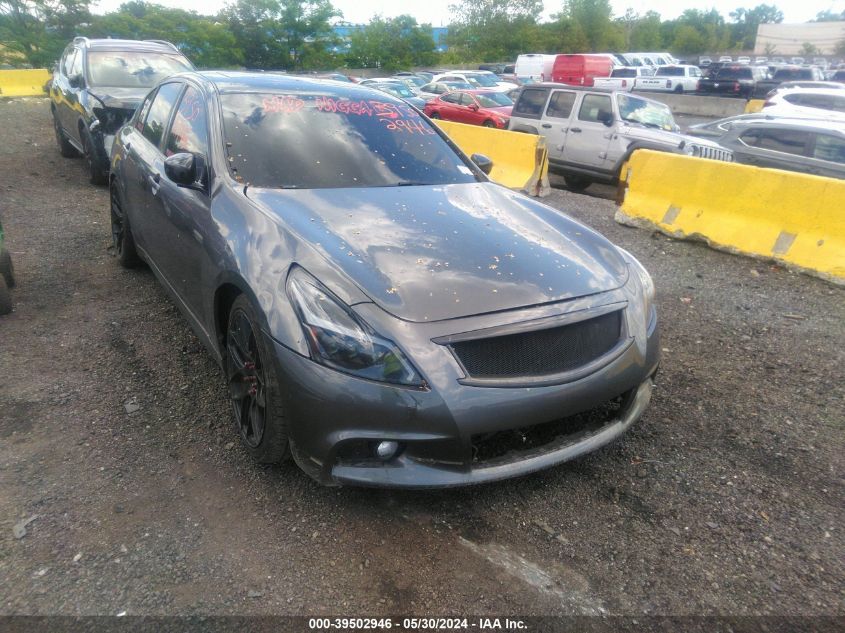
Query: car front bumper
x=332 y=417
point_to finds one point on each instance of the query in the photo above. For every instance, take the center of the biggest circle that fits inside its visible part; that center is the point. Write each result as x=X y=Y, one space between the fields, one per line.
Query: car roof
x=815 y=125
x=158 y=46
x=226 y=82
x=834 y=92
x=549 y=84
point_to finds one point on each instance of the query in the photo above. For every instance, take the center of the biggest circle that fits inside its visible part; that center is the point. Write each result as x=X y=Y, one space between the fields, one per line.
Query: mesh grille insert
x=541 y=352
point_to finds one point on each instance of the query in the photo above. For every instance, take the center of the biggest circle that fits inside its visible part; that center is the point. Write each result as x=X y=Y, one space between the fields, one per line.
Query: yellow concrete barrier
x=23 y=83
x=754 y=105
x=520 y=161
x=793 y=218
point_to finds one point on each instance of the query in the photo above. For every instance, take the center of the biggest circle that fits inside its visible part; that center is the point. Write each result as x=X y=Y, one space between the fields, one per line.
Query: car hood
x=426 y=253
x=127 y=98
x=663 y=136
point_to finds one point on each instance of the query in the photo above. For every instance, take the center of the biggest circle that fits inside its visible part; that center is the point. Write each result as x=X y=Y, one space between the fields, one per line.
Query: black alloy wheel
x=254 y=387
x=247 y=379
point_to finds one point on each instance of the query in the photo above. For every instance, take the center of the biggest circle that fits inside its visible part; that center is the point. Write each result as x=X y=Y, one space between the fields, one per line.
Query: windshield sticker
x=287 y=104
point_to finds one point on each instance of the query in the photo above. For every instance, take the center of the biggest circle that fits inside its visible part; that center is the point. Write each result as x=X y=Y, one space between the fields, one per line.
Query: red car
x=478 y=107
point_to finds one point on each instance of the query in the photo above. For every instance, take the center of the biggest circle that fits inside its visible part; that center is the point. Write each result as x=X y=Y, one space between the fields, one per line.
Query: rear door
x=451 y=109
x=588 y=138
x=555 y=123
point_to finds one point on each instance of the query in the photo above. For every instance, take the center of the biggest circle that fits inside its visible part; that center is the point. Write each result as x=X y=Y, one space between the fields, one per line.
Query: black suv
x=96 y=87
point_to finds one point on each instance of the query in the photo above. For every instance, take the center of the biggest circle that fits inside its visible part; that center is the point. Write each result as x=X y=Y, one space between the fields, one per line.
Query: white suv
x=591 y=133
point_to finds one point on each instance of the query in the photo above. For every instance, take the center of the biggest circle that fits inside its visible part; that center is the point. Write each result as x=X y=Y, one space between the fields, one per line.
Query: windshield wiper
x=413 y=183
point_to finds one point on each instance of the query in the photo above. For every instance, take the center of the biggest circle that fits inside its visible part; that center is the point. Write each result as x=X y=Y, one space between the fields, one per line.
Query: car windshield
x=493 y=100
x=314 y=141
x=785 y=74
x=482 y=80
x=417 y=81
x=730 y=72
x=397 y=90
x=457 y=85
x=122 y=69
x=648 y=113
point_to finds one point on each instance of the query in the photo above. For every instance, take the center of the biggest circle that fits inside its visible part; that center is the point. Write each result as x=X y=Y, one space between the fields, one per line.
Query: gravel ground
x=726 y=499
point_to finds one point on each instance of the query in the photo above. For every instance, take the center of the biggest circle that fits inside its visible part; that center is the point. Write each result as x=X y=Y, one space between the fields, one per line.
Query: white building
x=789 y=39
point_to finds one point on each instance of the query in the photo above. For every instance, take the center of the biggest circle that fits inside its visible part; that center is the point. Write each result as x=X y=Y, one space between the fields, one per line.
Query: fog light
x=387 y=450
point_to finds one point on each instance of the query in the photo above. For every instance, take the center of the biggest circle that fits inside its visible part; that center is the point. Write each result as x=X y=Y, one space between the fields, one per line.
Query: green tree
x=829 y=16
x=646 y=35
x=595 y=18
x=747 y=20
x=493 y=30
x=282 y=33
x=34 y=32
x=689 y=41
x=204 y=40
x=392 y=44
x=808 y=48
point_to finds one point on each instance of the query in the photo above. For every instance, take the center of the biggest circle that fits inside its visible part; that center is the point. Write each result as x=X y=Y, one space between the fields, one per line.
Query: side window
x=188 y=132
x=466 y=100
x=439 y=89
x=142 y=112
x=452 y=97
x=592 y=106
x=830 y=148
x=560 y=105
x=67 y=61
x=778 y=140
x=76 y=64
x=159 y=113
x=531 y=103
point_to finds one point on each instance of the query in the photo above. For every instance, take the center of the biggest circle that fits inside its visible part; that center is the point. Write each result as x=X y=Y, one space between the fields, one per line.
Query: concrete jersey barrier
x=793 y=218
x=23 y=83
x=520 y=161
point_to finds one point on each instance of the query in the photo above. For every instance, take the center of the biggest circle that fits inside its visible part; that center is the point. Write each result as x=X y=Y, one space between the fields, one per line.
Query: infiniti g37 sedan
x=383 y=313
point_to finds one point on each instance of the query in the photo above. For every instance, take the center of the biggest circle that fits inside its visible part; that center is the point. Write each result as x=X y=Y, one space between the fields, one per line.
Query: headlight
x=646 y=282
x=339 y=339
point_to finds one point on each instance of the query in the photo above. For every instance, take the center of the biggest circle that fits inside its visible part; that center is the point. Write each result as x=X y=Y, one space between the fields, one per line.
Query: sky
x=437 y=11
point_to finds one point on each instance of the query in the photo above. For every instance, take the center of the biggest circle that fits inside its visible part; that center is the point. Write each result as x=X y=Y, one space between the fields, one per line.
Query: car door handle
x=547 y=125
x=577 y=130
x=155 y=182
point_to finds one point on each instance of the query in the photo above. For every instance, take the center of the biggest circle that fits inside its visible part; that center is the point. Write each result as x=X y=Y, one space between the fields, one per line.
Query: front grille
x=540 y=352
x=528 y=441
x=713 y=153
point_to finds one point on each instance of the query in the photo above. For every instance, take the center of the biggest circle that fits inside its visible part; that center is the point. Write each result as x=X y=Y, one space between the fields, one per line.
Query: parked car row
x=270 y=207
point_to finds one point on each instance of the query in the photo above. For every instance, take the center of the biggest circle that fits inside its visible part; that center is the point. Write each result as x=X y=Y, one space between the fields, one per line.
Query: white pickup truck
x=623 y=78
x=679 y=78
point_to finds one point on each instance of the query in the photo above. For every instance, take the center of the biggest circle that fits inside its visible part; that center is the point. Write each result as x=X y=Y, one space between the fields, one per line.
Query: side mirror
x=75 y=81
x=605 y=117
x=181 y=168
x=473 y=107
x=482 y=162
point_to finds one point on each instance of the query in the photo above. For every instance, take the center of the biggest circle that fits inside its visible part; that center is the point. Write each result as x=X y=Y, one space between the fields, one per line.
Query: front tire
x=5 y=297
x=65 y=148
x=489 y=123
x=96 y=174
x=124 y=243
x=254 y=387
x=7 y=271
x=577 y=183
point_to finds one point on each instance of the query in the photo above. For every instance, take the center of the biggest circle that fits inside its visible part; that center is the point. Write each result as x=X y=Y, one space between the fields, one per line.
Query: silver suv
x=590 y=133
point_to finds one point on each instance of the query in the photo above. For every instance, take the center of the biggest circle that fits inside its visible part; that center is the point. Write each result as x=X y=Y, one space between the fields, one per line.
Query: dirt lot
x=727 y=498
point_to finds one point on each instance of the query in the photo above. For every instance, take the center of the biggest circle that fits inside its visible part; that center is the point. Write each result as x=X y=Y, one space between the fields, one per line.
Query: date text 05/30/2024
x=407 y=624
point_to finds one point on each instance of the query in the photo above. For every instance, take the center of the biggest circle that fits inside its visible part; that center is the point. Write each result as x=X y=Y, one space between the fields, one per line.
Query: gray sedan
x=383 y=313
x=808 y=146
